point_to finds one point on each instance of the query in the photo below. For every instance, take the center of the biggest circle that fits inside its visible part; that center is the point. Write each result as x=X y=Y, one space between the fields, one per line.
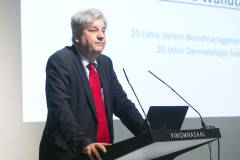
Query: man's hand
x=91 y=150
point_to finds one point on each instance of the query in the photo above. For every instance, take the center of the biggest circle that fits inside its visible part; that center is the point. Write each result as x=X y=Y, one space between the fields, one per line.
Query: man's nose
x=101 y=35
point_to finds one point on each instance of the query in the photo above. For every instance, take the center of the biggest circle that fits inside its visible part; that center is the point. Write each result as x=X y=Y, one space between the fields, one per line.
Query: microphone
x=149 y=127
x=202 y=122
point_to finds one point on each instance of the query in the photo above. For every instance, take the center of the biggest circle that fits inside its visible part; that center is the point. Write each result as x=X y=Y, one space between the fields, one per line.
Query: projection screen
x=193 y=45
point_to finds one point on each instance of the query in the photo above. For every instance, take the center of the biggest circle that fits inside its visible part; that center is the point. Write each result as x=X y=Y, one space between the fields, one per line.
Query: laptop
x=166 y=117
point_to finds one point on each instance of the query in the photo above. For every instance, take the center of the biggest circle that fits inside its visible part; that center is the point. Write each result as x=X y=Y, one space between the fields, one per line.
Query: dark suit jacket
x=71 y=121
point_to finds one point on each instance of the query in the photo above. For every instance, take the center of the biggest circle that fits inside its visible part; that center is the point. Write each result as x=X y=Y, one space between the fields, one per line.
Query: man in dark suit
x=73 y=127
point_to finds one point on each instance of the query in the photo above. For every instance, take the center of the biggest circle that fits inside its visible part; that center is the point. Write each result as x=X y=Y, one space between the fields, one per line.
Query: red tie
x=102 y=132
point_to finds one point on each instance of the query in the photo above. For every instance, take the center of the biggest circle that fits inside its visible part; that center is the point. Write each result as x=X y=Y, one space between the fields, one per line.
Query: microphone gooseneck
x=202 y=122
x=138 y=101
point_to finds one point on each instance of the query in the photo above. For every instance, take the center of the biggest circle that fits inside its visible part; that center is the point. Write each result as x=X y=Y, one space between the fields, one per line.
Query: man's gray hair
x=82 y=18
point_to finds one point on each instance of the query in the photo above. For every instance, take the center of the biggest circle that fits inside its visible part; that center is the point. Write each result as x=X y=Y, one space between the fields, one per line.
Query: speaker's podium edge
x=162 y=145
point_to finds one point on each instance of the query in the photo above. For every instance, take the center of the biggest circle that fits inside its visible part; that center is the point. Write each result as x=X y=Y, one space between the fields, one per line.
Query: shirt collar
x=85 y=61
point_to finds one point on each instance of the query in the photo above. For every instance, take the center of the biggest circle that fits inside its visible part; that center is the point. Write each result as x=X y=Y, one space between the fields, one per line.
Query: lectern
x=160 y=145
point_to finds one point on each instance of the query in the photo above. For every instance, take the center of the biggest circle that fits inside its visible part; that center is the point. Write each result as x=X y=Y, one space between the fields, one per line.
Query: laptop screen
x=166 y=117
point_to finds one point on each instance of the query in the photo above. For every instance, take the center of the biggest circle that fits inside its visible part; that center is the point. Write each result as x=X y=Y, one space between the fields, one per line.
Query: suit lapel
x=103 y=79
x=83 y=76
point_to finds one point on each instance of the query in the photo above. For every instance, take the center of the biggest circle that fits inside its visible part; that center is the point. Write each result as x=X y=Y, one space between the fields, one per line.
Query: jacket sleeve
x=58 y=94
x=124 y=108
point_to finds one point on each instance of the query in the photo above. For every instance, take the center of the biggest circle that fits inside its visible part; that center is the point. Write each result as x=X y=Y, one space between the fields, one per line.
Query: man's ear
x=76 y=36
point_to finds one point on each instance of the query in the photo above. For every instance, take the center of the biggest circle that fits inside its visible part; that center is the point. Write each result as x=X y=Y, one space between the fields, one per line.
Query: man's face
x=93 y=39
